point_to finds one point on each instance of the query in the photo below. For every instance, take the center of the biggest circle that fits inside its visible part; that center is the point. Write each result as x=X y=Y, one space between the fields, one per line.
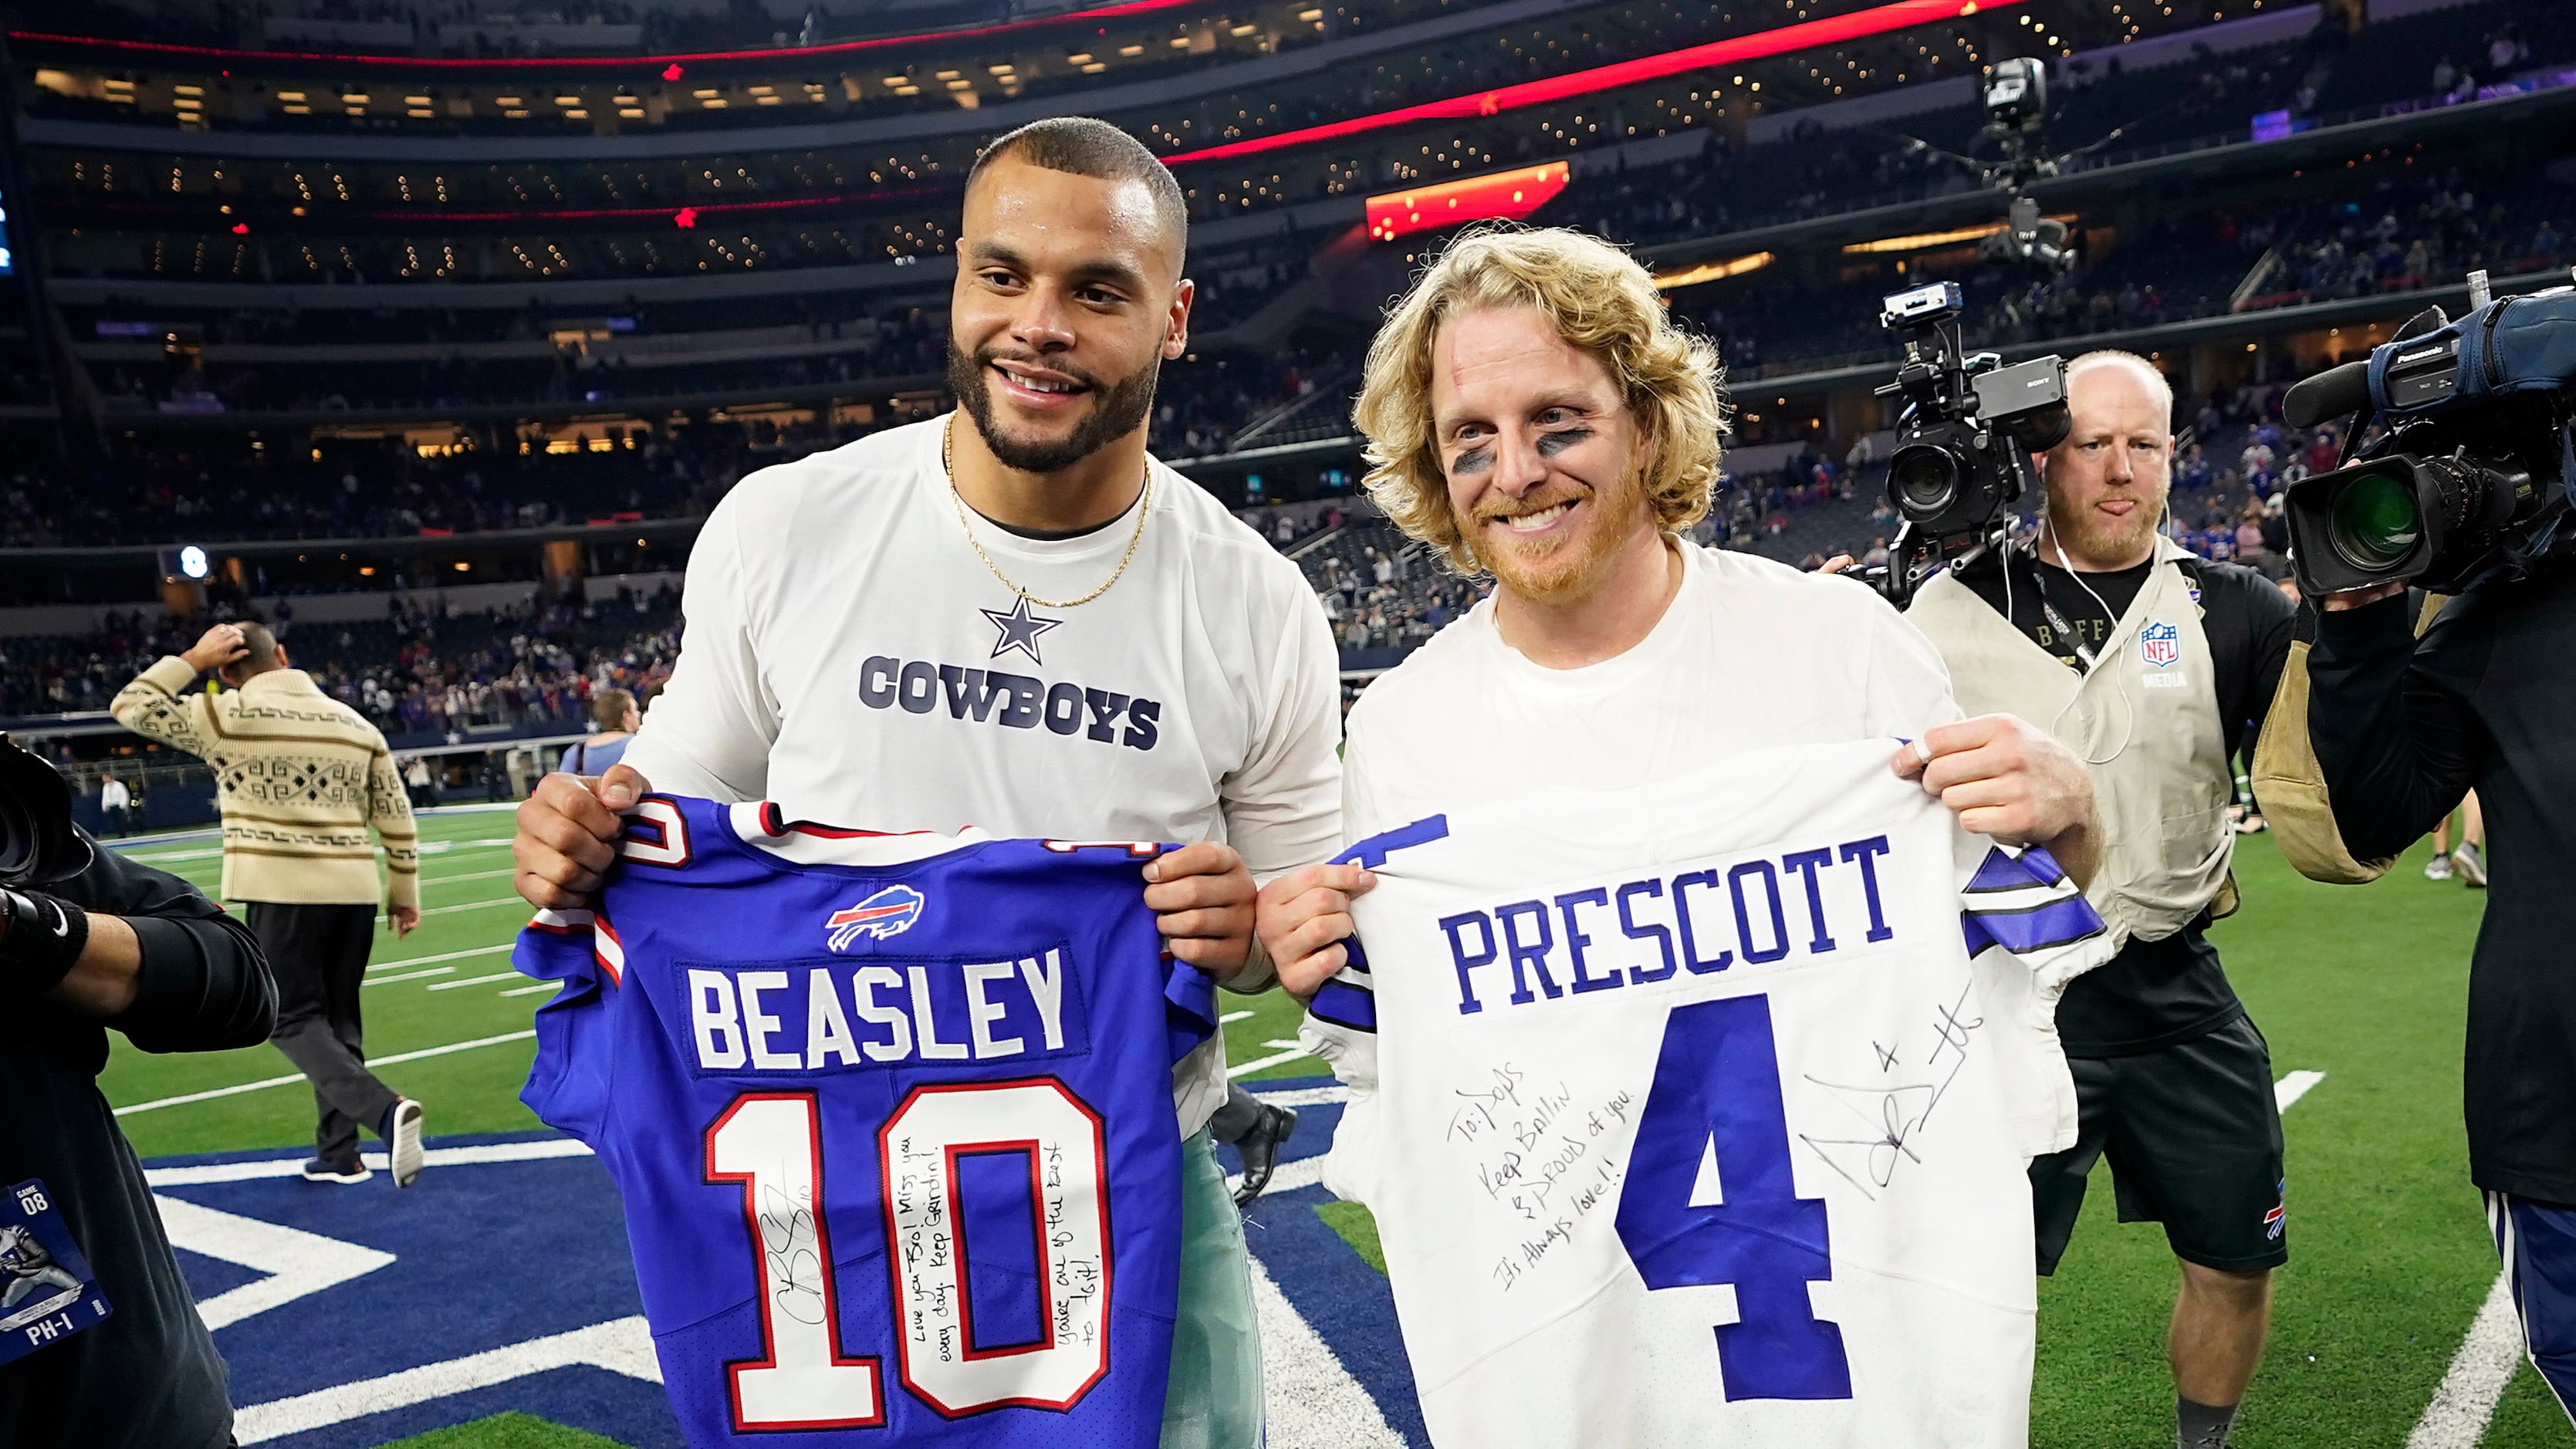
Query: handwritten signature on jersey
x=1894 y=1116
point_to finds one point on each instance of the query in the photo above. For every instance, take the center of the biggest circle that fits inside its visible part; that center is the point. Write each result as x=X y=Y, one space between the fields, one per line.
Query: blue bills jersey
x=892 y=1119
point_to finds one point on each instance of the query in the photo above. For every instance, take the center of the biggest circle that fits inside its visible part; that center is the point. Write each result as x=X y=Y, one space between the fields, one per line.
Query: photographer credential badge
x=46 y=1291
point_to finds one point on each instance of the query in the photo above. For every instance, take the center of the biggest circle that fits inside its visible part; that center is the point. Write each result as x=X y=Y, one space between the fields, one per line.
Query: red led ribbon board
x=1511 y=194
x=1831 y=30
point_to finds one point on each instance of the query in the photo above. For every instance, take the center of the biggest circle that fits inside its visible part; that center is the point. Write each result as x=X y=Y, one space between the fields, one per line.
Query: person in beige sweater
x=300 y=779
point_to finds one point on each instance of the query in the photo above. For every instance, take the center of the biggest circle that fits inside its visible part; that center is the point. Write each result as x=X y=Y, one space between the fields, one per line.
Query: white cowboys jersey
x=1697 y=1114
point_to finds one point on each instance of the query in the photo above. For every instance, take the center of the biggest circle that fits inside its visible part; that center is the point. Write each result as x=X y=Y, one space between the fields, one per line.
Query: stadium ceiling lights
x=1508 y=194
x=1714 y=271
x=1808 y=35
x=670 y=71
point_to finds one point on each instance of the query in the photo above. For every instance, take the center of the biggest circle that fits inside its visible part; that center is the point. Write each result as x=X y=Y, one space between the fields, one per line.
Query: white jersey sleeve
x=709 y=732
x=2028 y=932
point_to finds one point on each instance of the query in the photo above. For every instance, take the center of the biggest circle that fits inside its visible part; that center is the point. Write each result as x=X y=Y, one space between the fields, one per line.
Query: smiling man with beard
x=1010 y=617
x=1533 y=413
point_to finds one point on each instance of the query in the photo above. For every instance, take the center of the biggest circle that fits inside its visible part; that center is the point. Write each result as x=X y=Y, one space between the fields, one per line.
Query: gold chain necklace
x=1144 y=507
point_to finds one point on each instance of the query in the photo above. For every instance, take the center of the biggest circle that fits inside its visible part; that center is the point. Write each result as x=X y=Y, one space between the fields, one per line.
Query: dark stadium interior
x=362 y=299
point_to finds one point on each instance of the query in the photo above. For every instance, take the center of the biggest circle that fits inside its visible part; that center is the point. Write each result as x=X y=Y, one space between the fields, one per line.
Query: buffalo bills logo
x=890 y=912
x=2160 y=644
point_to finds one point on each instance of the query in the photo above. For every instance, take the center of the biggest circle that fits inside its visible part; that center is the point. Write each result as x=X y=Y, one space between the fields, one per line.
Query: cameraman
x=89 y=941
x=2403 y=729
x=2155 y=665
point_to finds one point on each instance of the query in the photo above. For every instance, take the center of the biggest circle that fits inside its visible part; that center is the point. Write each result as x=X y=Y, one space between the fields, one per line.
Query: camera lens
x=2375 y=522
x=1923 y=480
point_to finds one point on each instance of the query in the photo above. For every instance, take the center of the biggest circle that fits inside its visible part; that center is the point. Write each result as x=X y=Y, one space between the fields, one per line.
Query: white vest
x=2145 y=720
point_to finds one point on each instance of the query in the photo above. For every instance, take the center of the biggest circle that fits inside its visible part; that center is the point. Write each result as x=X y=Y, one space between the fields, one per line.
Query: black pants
x=319 y=955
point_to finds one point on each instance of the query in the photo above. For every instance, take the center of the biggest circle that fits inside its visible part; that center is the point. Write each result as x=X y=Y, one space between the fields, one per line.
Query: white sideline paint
x=532 y=990
x=238 y=1088
x=443 y=956
x=479 y=980
x=2292 y=1087
x=1231 y=1017
x=476 y=906
x=622 y=1346
x=406 y=976
x=1309 y=1400
x=2457 y=1417
x=533 y=1151
x=1257 y=1063
x=431 y=880
x=296 y=1261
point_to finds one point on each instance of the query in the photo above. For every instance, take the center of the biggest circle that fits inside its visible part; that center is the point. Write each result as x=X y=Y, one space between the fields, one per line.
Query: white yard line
x=2457 y=1417
x=532 y=990
x=443 y=956
x=1231 y=1017
x=2292 y=1087
x=406 y=976
x=478 y=906
x=539 y=1149
x=1257 y=1063
x=476 y=980
x=240 y=1087
x=624 y=1346
x=431 y=880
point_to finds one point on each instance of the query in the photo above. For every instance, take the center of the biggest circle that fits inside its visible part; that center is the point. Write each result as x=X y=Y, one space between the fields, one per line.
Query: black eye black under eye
x=1551 y=444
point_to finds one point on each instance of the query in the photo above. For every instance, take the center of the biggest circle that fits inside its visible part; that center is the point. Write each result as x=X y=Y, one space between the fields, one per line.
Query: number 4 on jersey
x=1718 y=1080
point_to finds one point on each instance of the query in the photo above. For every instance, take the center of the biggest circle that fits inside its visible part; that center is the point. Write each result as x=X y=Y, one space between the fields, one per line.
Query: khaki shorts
x=1214 y=1398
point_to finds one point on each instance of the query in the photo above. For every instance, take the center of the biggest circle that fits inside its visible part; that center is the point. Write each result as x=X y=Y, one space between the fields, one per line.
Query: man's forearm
x=109 y=974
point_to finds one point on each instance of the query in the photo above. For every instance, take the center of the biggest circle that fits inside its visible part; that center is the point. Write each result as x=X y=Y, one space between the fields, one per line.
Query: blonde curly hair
x=1600 y=300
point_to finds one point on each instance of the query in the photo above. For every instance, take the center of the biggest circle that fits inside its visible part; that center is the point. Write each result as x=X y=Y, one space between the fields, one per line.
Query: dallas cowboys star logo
x=1020 y=630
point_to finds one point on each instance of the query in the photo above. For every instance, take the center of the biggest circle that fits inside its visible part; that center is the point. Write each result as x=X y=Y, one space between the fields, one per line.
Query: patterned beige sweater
x=299 y=777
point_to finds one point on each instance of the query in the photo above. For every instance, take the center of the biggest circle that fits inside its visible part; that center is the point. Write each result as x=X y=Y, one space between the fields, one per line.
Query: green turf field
x=2389 y=1255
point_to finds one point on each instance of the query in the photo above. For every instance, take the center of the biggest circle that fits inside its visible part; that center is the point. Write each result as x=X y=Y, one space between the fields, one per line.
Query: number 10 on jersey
x=771 y=1143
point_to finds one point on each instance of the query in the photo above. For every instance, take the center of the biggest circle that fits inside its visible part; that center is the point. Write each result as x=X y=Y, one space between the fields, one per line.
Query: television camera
x=2473 y=472
x=1965 y=437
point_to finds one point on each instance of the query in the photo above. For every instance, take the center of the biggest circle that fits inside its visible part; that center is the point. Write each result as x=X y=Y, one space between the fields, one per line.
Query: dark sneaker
x=401 y=1131
x=2470 y=863
x=323 y=1169
x=1260 y=1149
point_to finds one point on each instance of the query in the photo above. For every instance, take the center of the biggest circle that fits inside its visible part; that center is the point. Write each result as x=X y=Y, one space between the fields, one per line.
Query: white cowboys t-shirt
x=848 y=656
x=1688 y=1118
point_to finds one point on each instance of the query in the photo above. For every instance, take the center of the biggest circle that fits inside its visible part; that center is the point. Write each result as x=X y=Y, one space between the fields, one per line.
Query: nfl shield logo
x=2159 y=643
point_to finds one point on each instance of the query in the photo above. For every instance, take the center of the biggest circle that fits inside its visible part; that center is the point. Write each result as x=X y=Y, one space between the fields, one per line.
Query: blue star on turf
x=1019 y=630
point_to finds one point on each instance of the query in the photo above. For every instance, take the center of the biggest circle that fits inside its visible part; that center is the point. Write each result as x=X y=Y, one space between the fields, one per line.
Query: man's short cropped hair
x=609 y=707
x=259 y=650
x=1600 y=300
x=1086 y=146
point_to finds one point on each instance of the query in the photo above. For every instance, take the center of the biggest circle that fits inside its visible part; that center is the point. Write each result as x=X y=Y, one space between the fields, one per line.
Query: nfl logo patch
x=2160 y=643
x=890 y=912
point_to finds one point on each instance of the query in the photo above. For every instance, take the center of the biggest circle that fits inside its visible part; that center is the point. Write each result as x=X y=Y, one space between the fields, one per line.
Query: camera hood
x=38 y=843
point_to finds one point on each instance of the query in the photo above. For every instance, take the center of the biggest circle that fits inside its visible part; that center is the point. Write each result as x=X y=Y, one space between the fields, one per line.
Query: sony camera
x=2470 y=476
x=1965 y=437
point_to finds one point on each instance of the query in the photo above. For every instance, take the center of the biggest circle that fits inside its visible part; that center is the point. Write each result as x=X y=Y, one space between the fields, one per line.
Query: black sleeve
x=205 y=986
x=2397 y=747
x=2250 y=624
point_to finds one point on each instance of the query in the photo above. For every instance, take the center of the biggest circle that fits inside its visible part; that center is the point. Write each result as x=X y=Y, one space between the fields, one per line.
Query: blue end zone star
x=1020 y=630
